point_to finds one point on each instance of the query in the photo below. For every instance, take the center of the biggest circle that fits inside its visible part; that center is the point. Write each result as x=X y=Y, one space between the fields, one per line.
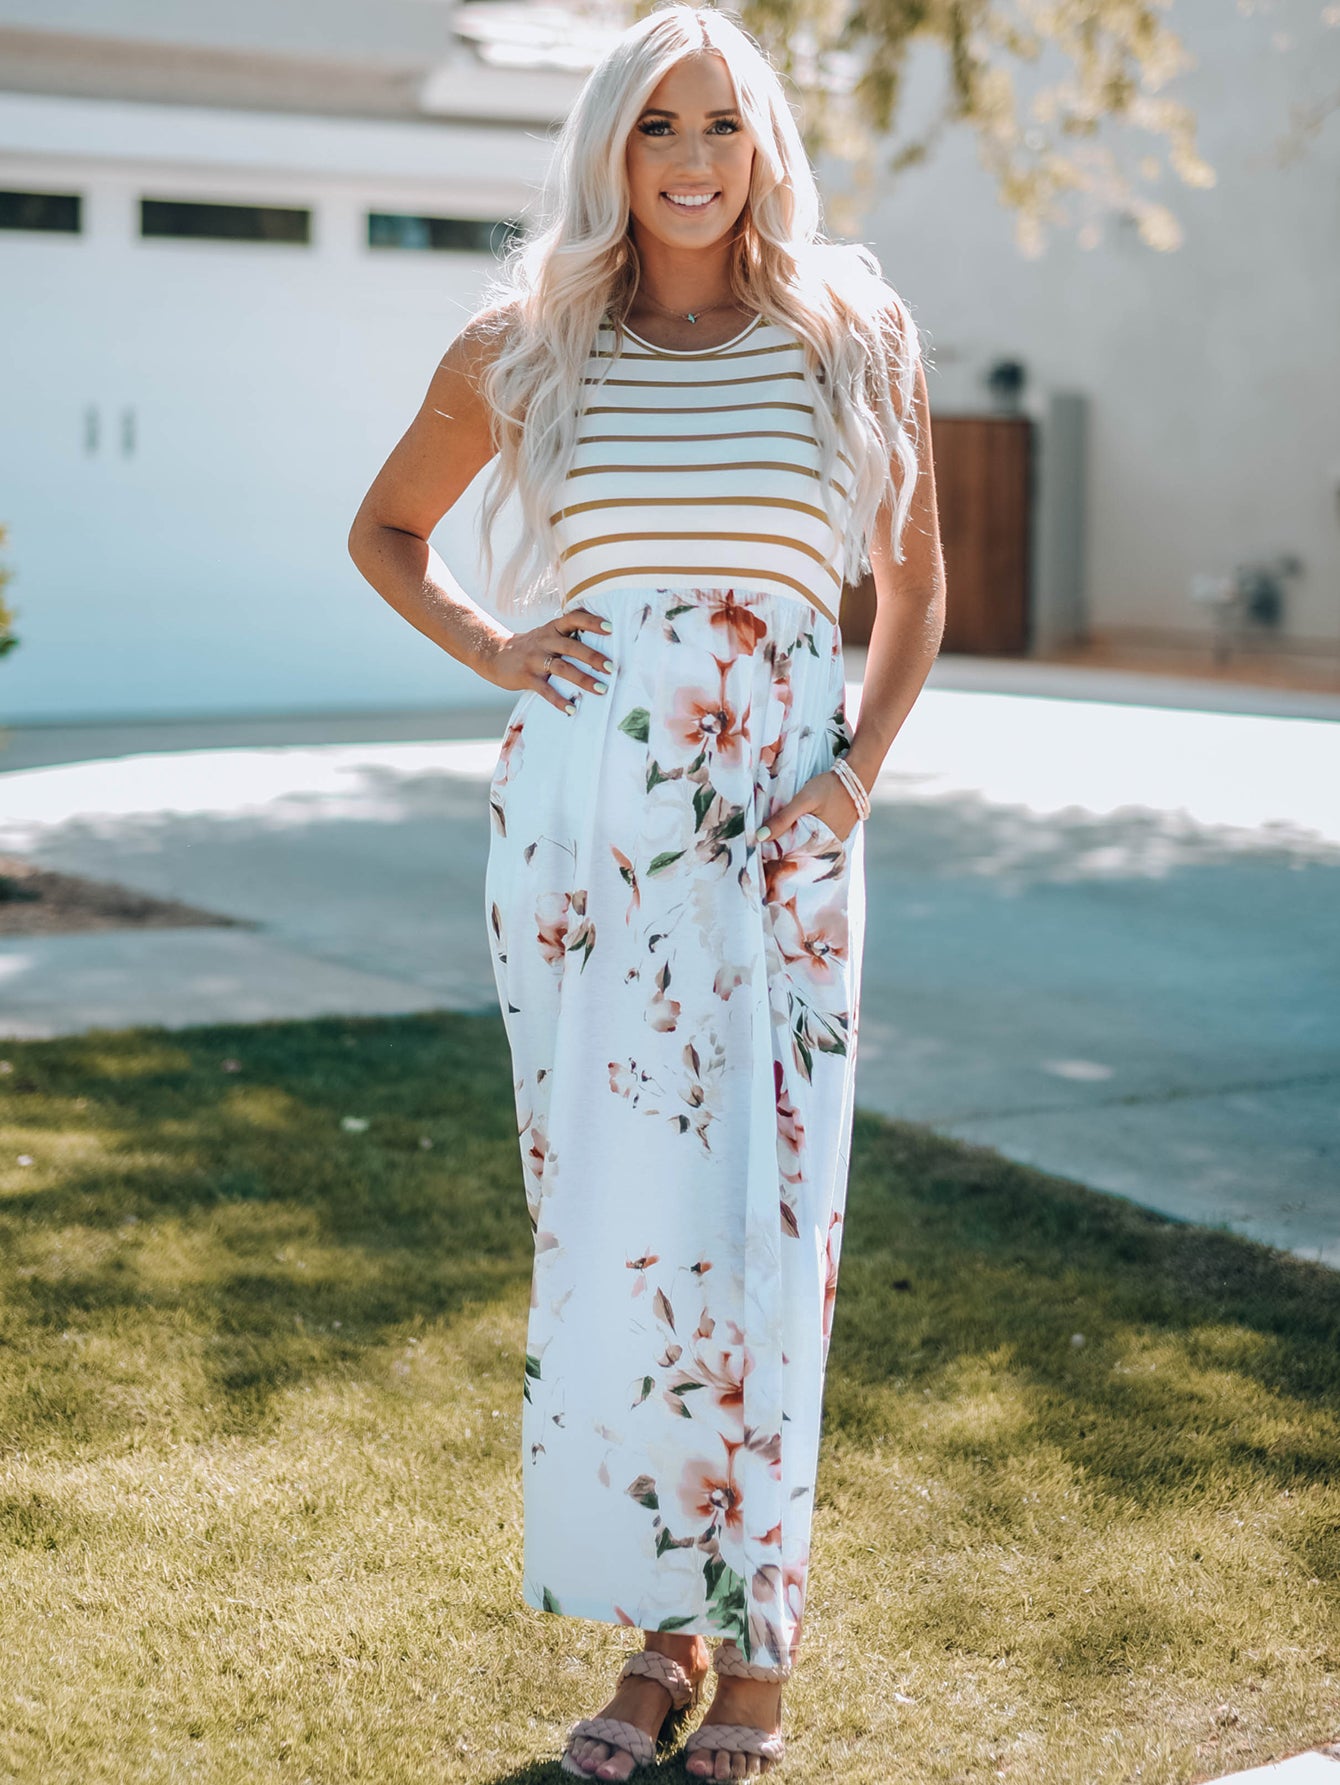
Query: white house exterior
x=187 y=426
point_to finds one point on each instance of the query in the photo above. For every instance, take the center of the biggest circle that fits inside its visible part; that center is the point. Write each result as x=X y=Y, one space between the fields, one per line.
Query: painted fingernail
x=605 y=626
x=609 y=666
x=571 y=707
x=763 y=831
x=600 y=688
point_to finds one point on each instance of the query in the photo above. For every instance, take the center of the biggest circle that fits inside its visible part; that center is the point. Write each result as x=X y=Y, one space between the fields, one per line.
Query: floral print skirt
x=681 y=1005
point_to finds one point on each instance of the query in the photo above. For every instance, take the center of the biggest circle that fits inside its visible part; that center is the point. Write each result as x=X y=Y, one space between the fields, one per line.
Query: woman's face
x=690 y=141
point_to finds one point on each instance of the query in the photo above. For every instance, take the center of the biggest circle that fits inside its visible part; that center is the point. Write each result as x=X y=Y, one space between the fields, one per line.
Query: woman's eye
x=653 y=126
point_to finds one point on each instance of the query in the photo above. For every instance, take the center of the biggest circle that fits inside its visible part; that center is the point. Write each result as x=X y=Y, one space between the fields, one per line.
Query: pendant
x=693 y=318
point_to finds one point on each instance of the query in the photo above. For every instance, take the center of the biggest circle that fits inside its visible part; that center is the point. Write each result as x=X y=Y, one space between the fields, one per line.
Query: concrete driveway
x=1104 y=931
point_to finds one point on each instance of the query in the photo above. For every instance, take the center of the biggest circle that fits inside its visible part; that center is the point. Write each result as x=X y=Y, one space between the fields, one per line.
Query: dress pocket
x=816 y=833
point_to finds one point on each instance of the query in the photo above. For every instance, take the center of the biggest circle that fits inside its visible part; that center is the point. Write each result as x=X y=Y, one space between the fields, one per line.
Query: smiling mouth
x=691 y=201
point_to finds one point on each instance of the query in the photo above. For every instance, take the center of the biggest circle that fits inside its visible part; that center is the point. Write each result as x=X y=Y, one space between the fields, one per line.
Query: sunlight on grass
x=260 y=1393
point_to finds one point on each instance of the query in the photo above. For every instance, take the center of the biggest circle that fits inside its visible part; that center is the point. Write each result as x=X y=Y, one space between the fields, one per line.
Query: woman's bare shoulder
x=481 y=339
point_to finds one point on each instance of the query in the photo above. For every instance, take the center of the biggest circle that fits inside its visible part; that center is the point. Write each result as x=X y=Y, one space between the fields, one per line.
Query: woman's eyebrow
x=660 y=112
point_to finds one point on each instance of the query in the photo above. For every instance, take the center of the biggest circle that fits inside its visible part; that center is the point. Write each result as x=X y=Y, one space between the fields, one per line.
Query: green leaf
x=550 y=1603
x=532 y=1365
x=664 y=859
x=637 y=724
x=674 y=1623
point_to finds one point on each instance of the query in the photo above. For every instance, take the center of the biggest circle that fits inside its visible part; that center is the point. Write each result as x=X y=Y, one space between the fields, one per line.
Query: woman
x=711 y=418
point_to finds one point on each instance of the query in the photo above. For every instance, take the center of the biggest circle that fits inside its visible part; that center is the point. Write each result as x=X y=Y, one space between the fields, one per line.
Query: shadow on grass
x=233 y=1138
x=215 y=1217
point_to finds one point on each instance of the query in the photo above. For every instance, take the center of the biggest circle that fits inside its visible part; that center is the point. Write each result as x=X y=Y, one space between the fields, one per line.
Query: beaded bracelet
x=851 y=781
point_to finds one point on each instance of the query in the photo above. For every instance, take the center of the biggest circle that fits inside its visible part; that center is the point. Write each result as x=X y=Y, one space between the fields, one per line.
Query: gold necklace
x=688 y=315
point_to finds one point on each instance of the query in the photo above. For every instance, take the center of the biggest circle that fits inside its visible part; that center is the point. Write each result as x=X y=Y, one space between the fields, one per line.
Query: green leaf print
x=702 y=800
x=726 y=1600
x=550 y=1603
x=673 y=613
x=637 y=724
x=664 y=859
x=674 y=1623
x=654 y=775
x=643 y=1490
x=732 y=826
x=648 y=1384
x=532 y=1365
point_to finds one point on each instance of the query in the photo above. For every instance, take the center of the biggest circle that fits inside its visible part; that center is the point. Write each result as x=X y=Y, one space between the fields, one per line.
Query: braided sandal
x=738 y=1738
x=615 y=1733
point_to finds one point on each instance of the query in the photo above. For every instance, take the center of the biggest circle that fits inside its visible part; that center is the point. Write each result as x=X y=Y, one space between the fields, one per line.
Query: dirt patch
x=42 y=902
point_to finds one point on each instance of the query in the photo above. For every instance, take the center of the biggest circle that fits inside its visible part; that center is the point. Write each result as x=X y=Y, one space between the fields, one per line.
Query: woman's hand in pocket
x=825 y=796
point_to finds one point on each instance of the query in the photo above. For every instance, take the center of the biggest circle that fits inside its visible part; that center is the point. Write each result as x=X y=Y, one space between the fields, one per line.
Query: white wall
x=1213 y=371
x=207 y=572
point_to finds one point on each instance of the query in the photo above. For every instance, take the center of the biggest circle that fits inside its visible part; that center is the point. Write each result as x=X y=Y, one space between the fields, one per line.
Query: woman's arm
x=441 y=452
x=910 y=612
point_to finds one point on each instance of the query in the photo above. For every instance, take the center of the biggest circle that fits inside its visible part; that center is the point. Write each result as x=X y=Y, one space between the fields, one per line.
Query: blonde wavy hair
x=557 y=283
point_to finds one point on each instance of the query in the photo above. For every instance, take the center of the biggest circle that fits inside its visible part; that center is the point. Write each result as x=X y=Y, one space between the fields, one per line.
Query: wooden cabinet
x=983 y=486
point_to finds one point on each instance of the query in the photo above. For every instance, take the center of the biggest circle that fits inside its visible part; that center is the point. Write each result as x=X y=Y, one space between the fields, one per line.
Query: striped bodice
x=698 y=468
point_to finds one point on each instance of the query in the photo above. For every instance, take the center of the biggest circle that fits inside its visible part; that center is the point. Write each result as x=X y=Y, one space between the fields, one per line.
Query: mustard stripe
x=693 y=408
x=635 y=352
x=698 y=383
x=750 y=578
x=688 y=502
x=680 y=439
x=742 y=465
x=736 y=538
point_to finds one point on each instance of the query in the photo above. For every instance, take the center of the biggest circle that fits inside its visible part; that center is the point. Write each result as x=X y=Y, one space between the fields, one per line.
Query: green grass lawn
x=260 y=1391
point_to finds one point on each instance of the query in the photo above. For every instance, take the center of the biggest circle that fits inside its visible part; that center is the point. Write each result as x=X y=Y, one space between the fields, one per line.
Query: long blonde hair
x=557 y=283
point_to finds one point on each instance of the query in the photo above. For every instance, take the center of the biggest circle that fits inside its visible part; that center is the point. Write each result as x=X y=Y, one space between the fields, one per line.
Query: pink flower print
x=831 y=1279
x=641 y=1266
x=584 y=936
x=817 y=947
x=629 y=874
x=710 y=1494
x=727 y=978
x=779 y=710
x=536 y=1152
x=790 y=1122
x=738 y=625
x=723 y=1368
x=511 y=747
x=551 y=919
x=662 y=1012
x=705 y=720
x=793 y=1591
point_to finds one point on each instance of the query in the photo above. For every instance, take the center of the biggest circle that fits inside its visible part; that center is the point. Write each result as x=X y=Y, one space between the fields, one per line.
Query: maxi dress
x=681 y=1003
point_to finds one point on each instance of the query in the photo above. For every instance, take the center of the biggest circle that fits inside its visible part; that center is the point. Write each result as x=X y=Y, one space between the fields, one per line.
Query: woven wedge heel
x=614 y=1732
x=739 y=1738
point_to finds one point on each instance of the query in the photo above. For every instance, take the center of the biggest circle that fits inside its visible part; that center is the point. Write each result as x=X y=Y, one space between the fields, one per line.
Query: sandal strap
x=737 y=1738
x=615 y=1733
x=728 y=1658
x=665 y=1670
